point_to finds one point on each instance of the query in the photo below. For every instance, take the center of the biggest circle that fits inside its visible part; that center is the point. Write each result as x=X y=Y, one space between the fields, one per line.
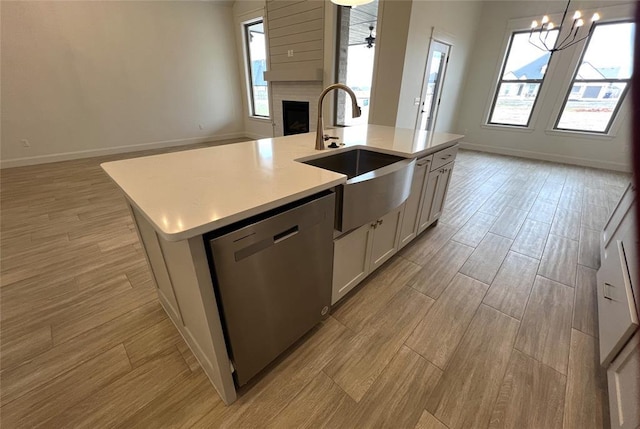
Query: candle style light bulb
x=577 y=15
x=551 y=26
x=534 y=24
x=579 y=23
x=595 y=17
x=545 y=19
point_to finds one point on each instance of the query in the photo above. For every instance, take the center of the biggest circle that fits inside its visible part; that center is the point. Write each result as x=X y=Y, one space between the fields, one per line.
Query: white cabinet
x=624 y=386
x=361 y=251
x=434 y=195
x=617 y=313
x=385 y=237
x=444 y=178
x=351 y=256
x=409 y=227
x=618 y=292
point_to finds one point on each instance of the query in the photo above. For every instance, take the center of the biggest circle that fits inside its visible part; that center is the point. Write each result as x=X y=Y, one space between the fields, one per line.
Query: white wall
x=244 y=11
x=454 y=22
x=405 y=29
x=538 y=142
x=391 y=41
x=88 y=78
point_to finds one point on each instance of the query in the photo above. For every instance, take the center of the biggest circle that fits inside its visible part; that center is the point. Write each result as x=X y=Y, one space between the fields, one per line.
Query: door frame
x=445 y=39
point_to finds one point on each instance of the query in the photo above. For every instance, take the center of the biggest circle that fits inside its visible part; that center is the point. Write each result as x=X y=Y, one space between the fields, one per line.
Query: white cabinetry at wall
x=618 y=313
x=361 y=251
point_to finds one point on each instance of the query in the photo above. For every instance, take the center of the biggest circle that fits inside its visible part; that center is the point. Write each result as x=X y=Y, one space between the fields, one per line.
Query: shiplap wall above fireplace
x=296 y=40
x=296 y=35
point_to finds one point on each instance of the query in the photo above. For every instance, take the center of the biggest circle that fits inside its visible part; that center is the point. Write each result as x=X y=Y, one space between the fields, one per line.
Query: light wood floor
x=486 y=320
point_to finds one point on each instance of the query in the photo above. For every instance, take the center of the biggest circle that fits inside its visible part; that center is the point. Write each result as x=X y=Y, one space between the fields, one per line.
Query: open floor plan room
x=488 y=319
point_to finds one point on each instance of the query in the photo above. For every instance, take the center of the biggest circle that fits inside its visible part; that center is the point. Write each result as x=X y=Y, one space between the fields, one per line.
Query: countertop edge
x=236 y=217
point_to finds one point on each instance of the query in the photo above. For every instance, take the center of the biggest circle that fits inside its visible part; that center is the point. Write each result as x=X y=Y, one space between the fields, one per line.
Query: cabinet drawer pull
x=605 y=291
x=379 y=222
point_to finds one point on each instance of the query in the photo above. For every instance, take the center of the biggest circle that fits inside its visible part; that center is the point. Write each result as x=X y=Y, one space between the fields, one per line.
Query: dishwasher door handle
x=278 y=238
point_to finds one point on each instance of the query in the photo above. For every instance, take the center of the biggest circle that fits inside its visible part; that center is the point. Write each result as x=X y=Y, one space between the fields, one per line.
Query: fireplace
x=295 y=117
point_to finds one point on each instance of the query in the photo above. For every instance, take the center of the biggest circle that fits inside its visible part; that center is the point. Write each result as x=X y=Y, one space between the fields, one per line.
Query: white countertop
x=189 y=193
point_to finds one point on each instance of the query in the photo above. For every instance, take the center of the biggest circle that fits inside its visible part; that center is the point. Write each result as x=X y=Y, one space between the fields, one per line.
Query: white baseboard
x=584 y=162
x=67 y=156
x=255 y=136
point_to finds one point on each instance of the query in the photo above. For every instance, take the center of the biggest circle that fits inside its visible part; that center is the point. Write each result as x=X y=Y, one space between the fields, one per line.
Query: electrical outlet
x=25 y=143
x=290 y=53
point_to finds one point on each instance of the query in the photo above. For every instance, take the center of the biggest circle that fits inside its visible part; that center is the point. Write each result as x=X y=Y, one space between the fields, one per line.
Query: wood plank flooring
x=488 y=319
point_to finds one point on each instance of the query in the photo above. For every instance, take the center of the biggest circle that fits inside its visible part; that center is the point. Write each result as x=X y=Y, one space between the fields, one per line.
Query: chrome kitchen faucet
x=355 y=111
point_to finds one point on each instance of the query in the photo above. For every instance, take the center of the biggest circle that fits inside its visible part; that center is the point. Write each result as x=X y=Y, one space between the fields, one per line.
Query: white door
x=432 y=84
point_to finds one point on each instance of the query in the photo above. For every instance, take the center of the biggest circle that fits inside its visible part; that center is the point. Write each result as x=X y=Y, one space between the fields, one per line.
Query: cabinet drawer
x=617 y=316
x=444 y=157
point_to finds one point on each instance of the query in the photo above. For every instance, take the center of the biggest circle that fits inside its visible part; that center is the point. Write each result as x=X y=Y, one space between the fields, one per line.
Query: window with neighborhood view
x=601 y=80
x=257 y=61
x=521 y=76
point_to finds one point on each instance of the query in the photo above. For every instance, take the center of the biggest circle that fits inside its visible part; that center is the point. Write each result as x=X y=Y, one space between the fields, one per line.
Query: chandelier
x=542 y=30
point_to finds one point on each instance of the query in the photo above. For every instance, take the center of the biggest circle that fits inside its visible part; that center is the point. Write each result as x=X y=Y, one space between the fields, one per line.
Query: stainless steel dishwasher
x=272 y=275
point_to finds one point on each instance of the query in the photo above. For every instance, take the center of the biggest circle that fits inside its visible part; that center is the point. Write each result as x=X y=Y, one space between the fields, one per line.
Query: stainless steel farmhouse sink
x=377 y=183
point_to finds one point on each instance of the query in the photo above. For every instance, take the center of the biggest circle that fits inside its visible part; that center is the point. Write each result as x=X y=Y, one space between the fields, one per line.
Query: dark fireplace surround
x=295 y=117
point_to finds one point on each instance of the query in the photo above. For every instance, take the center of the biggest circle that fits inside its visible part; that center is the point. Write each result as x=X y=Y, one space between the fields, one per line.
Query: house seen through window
x=601 y=80
x=521 y=76
x=257 y=64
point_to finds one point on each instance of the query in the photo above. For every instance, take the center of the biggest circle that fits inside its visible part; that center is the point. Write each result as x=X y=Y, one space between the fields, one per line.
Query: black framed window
x=521 y=77
x=601 y=80
x=256 y=51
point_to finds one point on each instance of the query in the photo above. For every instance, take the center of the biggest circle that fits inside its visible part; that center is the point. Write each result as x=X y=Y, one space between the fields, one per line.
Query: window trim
x=248 y=70
x=572 y=81
x=500 y=81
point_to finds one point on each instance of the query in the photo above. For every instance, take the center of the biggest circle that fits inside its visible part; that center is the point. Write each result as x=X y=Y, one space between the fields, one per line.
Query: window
x=257 y=61
x=521 y=76
x=601 y=80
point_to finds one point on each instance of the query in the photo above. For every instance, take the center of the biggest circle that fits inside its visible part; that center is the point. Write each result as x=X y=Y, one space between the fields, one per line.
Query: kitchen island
x=176 y=198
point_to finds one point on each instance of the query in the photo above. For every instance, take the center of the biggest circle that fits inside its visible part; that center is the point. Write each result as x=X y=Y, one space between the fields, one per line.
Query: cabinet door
x=623 y=377
x=428 y=197
x=386 y=237
x=617 y=316
x=351 y=255
x=440 y=194
x=411 y=217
